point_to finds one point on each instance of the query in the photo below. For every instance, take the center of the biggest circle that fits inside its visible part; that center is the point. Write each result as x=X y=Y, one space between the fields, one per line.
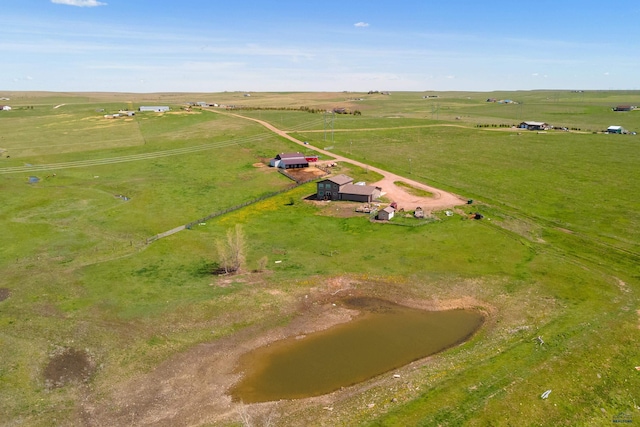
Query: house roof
x=614 y=127
x=534 y=123
x=360 y=190
x=389 y=209
x=341 y=179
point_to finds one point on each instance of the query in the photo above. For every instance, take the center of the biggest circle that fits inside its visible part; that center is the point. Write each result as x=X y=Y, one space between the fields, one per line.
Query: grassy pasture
x=557 y=256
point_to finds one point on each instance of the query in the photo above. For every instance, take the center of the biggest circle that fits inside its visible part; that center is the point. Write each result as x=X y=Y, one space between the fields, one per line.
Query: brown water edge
x=385 y=336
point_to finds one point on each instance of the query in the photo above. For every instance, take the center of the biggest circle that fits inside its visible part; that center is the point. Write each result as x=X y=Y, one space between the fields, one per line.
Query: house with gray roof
x=535 y=125
x=341 y=187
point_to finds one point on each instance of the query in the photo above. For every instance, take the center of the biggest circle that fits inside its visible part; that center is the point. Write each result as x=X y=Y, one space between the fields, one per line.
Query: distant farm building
x=386 y=214
x=341 y=187
x=5 y=108
x=624 y=108
x=289 y=161
x=534 y=126
x=616 y=129
x=154 y=108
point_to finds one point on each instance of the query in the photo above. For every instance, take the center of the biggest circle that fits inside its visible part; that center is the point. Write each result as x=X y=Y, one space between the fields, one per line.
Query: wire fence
x=189 y=225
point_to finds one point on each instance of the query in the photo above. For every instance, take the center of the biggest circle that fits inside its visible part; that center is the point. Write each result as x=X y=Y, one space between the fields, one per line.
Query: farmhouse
x=341 y=187
x=289 y=161
x=616 y=129
x=535 y=126
x=4 y=108
x=154 y=108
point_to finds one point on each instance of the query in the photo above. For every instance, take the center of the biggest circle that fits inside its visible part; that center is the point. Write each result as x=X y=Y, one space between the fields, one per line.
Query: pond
x=385 y=336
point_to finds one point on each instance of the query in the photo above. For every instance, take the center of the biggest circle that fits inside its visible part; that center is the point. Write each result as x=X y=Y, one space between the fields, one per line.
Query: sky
x=348 y=45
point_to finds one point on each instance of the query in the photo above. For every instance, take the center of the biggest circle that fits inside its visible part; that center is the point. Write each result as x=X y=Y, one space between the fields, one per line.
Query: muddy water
x=383 y=337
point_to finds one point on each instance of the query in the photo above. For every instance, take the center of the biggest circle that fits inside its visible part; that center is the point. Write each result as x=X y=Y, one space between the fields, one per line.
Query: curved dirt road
x=440 y=200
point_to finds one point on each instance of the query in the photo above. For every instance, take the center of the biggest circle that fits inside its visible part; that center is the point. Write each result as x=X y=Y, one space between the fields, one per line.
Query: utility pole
x=329 y=124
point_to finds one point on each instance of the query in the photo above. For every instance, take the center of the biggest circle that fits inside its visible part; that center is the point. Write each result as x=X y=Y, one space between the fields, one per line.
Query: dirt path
x=440 y=200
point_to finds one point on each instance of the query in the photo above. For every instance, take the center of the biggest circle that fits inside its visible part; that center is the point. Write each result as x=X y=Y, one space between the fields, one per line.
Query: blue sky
x=284 y=45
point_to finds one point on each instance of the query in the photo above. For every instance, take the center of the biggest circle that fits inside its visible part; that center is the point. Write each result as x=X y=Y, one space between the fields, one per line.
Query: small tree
x=231 y=250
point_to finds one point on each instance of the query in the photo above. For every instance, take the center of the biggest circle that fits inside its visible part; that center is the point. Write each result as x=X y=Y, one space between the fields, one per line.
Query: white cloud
x=80 y=3
x=361 y=24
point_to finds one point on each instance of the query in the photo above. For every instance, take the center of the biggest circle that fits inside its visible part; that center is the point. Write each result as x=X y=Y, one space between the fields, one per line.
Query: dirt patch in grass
x=306 y=174
x=338 y=209
x=4 y=293
x=68 y=365
x=192 y=387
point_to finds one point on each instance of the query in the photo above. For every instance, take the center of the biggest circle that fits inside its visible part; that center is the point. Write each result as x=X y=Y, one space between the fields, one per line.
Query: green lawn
x=556 y=256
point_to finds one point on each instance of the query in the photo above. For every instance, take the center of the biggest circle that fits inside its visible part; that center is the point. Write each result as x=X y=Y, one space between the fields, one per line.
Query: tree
x=231 y=250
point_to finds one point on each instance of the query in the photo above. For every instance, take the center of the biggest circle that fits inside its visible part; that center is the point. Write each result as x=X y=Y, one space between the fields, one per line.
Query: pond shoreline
x=193 y=387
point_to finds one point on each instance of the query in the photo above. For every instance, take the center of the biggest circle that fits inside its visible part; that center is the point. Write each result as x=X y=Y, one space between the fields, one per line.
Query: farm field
x=99 y=325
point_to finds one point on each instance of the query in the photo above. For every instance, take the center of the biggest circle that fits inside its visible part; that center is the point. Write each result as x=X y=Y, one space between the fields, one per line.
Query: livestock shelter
x=289 y=161
x=154 y=108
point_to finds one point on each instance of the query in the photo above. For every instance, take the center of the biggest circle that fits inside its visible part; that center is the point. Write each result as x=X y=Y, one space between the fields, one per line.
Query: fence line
x=225 y=211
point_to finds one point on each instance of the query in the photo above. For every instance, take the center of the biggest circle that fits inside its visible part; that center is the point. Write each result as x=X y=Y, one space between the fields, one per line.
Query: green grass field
x=556 y=256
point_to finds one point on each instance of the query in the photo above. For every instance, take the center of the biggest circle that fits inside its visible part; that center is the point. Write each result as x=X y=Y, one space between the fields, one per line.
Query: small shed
x=386 y=214
x=623 y=108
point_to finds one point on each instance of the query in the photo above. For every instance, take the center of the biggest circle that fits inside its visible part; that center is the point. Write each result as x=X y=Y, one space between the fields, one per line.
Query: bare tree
x=262 y=263
x=232 y=250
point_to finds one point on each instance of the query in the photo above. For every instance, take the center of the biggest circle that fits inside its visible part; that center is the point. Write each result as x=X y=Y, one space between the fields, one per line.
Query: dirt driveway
x=440 y=200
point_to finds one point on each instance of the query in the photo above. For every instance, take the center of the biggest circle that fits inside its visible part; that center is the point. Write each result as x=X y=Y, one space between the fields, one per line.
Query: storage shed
x=386 y=214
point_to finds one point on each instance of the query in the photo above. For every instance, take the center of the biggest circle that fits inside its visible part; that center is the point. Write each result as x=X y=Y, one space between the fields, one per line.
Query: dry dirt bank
x=191 y=387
